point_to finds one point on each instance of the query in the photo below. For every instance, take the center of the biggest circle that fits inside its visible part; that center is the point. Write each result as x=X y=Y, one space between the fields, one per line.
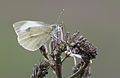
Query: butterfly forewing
x=23 y=25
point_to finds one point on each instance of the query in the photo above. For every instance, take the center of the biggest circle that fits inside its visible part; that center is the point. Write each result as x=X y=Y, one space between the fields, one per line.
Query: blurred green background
x=99 y=20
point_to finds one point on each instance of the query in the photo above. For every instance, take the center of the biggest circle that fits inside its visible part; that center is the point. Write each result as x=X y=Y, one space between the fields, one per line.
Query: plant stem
x=58 y=65
x=64 y=58
x=80 y=71
x=58 y=62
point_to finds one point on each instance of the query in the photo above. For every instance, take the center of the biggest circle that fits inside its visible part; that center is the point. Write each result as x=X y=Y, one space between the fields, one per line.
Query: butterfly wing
x=23 y=25
x=34 y=37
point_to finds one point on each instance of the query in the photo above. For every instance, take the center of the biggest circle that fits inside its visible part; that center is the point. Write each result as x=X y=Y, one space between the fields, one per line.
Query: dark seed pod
x=40 y=70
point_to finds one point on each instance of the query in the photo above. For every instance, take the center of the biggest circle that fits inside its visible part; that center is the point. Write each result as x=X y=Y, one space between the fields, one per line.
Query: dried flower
x=40 y=70
x=72 y=46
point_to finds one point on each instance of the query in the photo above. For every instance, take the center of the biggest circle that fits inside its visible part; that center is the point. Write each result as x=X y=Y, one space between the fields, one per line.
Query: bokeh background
x=99 y=20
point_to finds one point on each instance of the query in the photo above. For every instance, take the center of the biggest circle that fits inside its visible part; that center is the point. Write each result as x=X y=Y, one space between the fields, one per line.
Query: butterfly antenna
x=59 y=16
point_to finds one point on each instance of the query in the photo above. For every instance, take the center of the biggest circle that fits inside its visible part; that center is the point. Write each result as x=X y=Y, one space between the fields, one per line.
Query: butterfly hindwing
x=34 y=37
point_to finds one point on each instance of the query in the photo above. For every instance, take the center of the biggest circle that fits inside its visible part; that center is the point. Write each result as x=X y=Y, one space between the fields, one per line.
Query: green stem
x=58 y=65
x=58 y=58
x=64 y=58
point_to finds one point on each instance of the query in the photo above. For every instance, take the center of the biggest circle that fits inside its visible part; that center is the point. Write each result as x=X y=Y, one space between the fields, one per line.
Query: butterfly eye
x=54 y=26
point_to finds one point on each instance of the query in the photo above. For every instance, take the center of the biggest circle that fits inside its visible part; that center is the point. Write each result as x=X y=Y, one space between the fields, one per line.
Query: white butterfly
x=33 y=34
